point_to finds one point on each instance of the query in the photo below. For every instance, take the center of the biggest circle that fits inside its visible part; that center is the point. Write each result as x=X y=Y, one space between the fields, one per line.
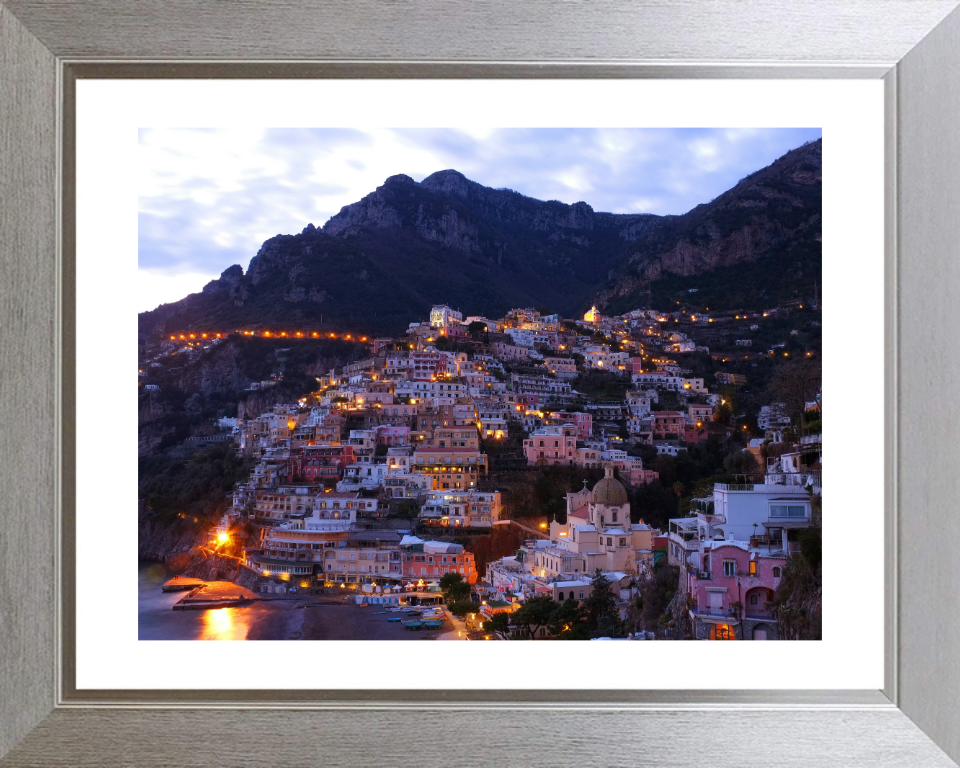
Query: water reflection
x=223 y=624
x=157 y=620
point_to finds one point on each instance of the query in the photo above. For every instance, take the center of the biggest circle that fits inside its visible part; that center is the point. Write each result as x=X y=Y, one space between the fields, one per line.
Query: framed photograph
x=554 y=212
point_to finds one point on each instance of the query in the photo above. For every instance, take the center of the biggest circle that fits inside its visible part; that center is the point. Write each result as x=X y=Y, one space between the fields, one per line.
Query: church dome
x=609 y=491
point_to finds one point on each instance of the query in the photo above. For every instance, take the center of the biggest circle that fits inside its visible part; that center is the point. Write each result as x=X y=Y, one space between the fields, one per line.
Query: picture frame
x=44 y=48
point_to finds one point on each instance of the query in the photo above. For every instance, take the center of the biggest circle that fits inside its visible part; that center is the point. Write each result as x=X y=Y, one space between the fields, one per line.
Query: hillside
x=381 y=262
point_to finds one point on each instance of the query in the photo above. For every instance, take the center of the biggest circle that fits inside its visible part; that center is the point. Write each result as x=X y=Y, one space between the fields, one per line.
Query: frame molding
x=44 y=46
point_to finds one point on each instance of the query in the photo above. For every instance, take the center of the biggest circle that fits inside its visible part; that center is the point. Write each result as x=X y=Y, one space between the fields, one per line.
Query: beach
x=288 y=617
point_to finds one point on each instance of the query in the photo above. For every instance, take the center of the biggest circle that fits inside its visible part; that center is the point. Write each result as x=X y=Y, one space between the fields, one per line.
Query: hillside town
x=369 y=485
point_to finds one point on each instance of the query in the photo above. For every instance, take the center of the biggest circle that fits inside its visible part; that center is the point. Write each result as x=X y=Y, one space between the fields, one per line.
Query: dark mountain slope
x=383 y=261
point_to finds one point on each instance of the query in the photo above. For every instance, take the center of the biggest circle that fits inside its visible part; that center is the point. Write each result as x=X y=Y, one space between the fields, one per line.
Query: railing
x=684 y=540
x=734 y=486
x=801 y=478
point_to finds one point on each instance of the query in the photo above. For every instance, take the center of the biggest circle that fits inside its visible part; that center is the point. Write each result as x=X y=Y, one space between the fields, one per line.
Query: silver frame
x=914 y=45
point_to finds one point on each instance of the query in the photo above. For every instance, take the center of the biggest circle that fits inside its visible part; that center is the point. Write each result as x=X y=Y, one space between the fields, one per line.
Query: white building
x=442 y=316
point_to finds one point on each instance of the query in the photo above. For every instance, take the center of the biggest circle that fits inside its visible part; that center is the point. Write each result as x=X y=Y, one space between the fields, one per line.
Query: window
x=623 y=542
x=614 y=517
x=753 y=599
x=581 y=595
x=729 y=567
x=788 y=510
x=753 y=567
x=776 y=571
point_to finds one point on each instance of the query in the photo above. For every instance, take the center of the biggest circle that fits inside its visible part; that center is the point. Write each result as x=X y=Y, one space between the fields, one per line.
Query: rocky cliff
x=769 y=212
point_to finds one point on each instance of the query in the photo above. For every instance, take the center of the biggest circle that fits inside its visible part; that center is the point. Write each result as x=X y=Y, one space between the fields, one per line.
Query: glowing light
x=223 y=537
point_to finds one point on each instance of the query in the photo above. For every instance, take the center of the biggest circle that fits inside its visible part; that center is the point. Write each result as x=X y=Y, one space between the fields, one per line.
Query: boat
x=433 y=623
x=413 y=624
x=393 y=618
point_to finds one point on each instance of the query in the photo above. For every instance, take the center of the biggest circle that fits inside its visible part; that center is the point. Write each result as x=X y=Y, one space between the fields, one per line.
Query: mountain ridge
x=407 y=245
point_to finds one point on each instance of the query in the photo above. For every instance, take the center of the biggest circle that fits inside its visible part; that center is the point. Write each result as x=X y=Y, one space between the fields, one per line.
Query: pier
x=214 y=594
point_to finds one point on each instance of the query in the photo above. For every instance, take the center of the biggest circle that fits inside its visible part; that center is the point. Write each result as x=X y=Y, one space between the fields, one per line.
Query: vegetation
x=194 y=488
x=601 y=385
x=499 y=624
x=797 y=604
x=454 y=588
x=462 y=608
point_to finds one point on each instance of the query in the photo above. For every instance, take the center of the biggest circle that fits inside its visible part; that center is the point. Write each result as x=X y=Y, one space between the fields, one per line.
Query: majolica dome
x=609 y=491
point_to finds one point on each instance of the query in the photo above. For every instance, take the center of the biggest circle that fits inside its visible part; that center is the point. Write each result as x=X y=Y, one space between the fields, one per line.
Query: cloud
x=208 y=198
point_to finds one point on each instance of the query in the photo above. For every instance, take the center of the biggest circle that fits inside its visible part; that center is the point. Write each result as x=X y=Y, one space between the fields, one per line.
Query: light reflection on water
x=158 y=621
x=223 y=624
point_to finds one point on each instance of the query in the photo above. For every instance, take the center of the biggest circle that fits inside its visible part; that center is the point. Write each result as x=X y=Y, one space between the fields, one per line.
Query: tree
x=601 y=607
x=740 y=462
x=499 y=624
x=535 y=614
x=569 y=621
x=462 y=607
x=795 y=384
x=454 y=588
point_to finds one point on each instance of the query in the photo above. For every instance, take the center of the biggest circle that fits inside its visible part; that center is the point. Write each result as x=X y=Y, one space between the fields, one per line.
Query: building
x=699 y=413
x=321 y=463
x=429 y=561
x=732 y=591
x=469 y=509
x=442 y=316
x=551 y=445
x=581 y=420
x=451 y=458
x=736 y=379
x=561 y=367
x=668 y=425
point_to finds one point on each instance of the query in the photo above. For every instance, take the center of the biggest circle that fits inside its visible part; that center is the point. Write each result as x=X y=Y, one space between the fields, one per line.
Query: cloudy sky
x=209 y=197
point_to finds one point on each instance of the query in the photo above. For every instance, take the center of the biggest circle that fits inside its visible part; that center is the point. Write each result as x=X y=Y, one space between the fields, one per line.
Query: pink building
x=393 y=435
x=427 y=365
x=582 y=421
x=668 y=424
x=734 y=588
x=551 y=445
x=694 y=434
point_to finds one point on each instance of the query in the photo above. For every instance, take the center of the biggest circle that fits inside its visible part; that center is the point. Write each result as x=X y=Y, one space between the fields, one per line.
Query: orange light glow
x=223 y=537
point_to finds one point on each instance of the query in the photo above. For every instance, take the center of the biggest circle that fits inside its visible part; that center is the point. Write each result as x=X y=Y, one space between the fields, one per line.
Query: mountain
x=764 y=234
x=383 y=261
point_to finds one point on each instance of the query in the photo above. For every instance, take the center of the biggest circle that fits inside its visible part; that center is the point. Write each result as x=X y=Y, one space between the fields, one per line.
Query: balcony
x=685 y=540
x=706 y=610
